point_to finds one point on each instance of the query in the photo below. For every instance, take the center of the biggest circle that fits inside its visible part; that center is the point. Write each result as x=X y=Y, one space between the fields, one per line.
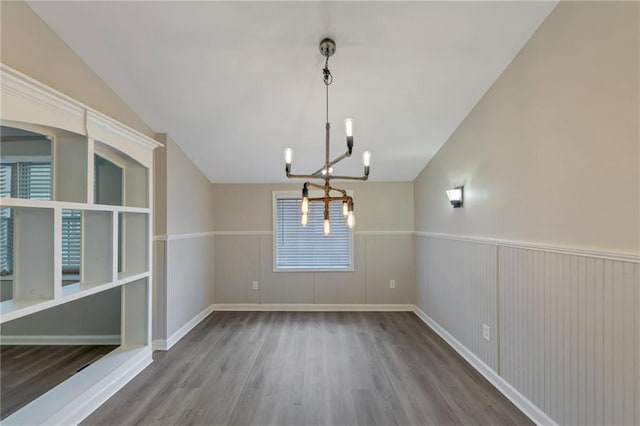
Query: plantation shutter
x=299 y=247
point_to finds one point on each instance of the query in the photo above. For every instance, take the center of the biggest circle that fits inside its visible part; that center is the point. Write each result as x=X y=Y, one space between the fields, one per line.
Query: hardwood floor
x=295 y=368
x=26 y=372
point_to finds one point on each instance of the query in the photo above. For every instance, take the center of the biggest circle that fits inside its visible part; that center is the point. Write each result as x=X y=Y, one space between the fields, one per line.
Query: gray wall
x=183 y=247
x=552 y=148
x=546 y=156
x=383 y=249
x=31 y=47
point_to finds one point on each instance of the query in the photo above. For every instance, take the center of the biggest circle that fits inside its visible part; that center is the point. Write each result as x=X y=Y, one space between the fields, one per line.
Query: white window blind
x=6 y=223
x=71 y=234
x=307 y=248
x=6 y=242
x=32 y=180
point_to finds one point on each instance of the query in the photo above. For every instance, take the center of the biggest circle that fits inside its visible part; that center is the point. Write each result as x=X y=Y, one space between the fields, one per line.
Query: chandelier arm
x=330 y=199
x=315 y=185
x=342 y=191
x=350 y=177
x=332 y=162
x=319 y=172
x=339 y=158
x=292 y=176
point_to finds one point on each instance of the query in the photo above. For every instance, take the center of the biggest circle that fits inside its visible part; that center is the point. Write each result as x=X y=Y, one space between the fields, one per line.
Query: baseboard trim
x=313 y=307
x=82 y=409
x=159 y=345
x=165 y=345
x=88 y=404
x=534 y=413
x=61 y=340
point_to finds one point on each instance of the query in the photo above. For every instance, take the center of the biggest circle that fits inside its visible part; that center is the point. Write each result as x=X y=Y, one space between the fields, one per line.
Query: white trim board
x=536 y=415
x=113 y=339
x=312 y=307
x=256 y=233
x=165 y=345
x=35 y=92
x=183 y=236
x=624 y=257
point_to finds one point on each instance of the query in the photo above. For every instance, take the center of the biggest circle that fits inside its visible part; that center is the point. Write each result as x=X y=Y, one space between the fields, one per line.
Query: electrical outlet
x=392 y=283
x=255 y=285
x=486 y=332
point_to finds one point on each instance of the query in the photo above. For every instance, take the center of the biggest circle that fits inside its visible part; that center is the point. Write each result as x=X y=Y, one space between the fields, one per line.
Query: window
x=307 y=248
x=32 y=180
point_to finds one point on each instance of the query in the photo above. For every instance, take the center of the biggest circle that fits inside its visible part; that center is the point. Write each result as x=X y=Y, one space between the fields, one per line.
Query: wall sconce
x=455 y=196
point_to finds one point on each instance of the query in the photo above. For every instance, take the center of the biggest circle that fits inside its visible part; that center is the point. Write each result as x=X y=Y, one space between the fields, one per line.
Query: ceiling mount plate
x=327 y=47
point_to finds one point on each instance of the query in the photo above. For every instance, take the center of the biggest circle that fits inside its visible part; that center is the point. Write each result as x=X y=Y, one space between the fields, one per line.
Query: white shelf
x=46 y=204
x=13 y=309
x=119 y=228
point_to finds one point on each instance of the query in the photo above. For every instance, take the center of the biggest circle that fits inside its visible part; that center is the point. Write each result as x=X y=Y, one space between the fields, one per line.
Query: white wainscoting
x=565 y=323
x=465 y=297
x=569 y=334
x=183 y=289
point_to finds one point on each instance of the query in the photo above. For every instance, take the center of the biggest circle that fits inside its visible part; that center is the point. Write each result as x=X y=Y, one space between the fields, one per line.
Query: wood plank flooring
x=309 y=368
x=26 y=372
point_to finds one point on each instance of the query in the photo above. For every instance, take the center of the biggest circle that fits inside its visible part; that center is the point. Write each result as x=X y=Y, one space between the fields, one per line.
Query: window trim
x=274 y=214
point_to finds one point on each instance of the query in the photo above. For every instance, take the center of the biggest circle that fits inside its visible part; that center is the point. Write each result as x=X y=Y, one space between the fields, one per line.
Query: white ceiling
x=235 y=83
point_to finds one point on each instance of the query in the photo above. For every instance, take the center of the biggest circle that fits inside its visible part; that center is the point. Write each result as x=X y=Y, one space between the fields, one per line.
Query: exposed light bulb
x=348 y=127
x=304 y=208
x=366 y=158
x=288 y=155
x=327 y=227
x=324 y=171
x=345 y=208
x=351 y=220
x=304 y=219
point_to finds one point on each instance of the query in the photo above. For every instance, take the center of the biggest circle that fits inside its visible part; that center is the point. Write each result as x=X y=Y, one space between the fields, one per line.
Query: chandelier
x=325 y=173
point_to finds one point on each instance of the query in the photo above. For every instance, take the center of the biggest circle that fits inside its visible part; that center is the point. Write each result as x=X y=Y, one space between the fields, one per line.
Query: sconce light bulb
x=327 y=227
x=288 y=155
x=366 y=158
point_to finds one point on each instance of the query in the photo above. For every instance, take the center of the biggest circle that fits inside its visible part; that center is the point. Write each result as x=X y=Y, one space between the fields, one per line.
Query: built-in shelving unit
x=75 y=197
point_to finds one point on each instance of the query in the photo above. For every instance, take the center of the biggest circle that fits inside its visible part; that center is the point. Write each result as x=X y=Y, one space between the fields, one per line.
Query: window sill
x=350 y=269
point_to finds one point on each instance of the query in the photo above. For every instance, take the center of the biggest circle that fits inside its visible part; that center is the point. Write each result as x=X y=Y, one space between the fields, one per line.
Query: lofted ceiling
x=235 y=83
